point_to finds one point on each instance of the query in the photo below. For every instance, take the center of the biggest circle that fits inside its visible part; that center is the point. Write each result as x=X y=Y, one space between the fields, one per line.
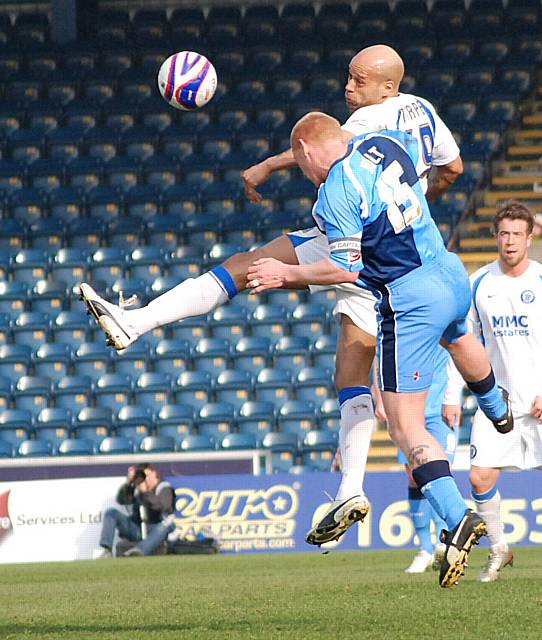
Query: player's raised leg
x=192 y=297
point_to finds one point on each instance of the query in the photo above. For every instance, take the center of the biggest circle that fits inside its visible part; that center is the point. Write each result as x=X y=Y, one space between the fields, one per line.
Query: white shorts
x=358 y=304
x=517 y=450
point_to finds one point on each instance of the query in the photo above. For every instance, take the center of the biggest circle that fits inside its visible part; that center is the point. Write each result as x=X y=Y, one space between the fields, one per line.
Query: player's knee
x=237 y=266
x=482 y=480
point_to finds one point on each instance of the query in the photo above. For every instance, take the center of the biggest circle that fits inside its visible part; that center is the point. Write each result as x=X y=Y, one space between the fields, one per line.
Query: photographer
x=152 y=500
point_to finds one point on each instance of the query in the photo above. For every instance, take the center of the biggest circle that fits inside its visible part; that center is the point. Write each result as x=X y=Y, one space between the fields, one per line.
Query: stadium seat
x=133 y=361
x=5 y=392
x=314 y=384
x=35 y=449
x=107 y=264
x=323 y=351
x=73 y=393
x=113 y=390
x=146 y=263
x=289 y=299
x=252 y=353
x=76 y=447
x=69 y=266
x=91 y=359
x=56 y=417
x=211 y=355
x=319 y=449
x=273 y=385
x=14 y=360
x=297 y=417
x=193 y=388
x=115 y=445
x=197 y=442
x=157 y=444
x=134 y=422
x=47 y=234
x=48 y=296
x=163 y=231
x=71 y=327
x=12 y=234
x=52 y=360
x=329 y=416
x=308 y=319
x=233 y=386
x=13 y=297
x=237 y=441
x=257 y=418
x=190 y=329
x=31 y=329
x=171 y=357
x=176 y=420
x=153 y=390
x=215 y=419
x=229 y=323
x=269 y=320
x=32 y=393
x=30 y=265
x=283 y=447
x=292 y=353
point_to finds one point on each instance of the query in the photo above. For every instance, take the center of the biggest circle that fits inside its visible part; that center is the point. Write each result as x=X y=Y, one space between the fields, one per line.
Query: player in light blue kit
x=382 y=237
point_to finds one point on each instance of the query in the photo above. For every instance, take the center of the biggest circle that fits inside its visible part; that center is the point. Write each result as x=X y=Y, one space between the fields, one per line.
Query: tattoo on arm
x=418 y=455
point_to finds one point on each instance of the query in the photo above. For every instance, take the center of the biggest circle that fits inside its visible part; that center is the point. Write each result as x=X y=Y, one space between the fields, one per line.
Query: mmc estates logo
x=5 y=520
x=238 y=514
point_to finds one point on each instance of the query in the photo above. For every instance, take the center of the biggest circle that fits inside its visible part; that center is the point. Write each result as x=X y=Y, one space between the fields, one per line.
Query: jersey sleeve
x=357 y=124
x=339 y=208
x=473 y=319
x=445 y=149
x=454 y=388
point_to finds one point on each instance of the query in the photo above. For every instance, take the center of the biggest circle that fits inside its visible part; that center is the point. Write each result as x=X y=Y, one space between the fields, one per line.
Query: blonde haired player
x=506 y=314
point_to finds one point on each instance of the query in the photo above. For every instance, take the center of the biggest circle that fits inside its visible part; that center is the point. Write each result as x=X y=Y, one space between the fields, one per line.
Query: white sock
x=490 y=512
x=193 y=297
x=357 y=424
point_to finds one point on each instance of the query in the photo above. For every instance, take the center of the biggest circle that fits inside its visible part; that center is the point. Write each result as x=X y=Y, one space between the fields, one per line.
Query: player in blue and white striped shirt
x=382 y=237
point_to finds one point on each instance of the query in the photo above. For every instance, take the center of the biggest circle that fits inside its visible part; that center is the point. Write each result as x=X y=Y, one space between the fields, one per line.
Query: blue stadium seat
x=308 y=319
x=269 y=320
x=273 y=385
x=164 y=231
x=134 y=422
x=104 y=203
x=35 y=449
x=48 y=296
x=256 y=418
x=142 y=201
x=283 y=447
x=319 y=449
x=171 y=357
x=73 y=392
x=32 y=393
x=113 y=390
x=197 y=442
x=71 y=327
x=107 y=264
x=5 y=392
x=76 y=447
x=31 y=329
x=116 y=445
x=233 y=386
x=238 y=441
x=30 y=265
x=314 y=384
x=47 y=234
x=84 y=234
x=91 y=359
x=133 y=361
x=13 y=297
x=193 y=388
x=191 y=329
x=14 y=360
x=252 y=353
x=84 y=174
x=323 y=351
x=185 y=262
x=56 y=417
x=66 y=203
x=211 y=355
x=176 y=420
x=153 y=390
x=329 y=415
x=12 y=234
x=146 y=263
x=292 y=353
x=297 y=416
x=287 y=298
x=6 y=449
x=215 y=419
x=157 y=444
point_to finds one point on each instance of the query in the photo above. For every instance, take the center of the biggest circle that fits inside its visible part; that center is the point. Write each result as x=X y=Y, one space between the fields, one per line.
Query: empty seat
x=31 y=329
x=52 y=360
x=283 y=447
x=76 y=447
x=14 y=360
x=176 y=420
x=211 y=355
x=252 y=353
x=153 y=390
x=193 y=388
x=35 y=448
x=269 y=320
x=237 y=441
x=215 y=419
x=314 y=384
x=32 y=393
x=71 y=327
x=319 y=449
x=273 y=385
x=13 y=297
x=292 y=353
x=308 y=319
x=297 y=416
x=113 y=390
x=91 y=359
x=115 y=445
x=133 y=361
x=72 y=392
x=233 y=386
x=30 y=265
x=6 y=449
x=329 y=416
x=134 y=422
x=229 y=323
x=197 y=442
x=157 y=444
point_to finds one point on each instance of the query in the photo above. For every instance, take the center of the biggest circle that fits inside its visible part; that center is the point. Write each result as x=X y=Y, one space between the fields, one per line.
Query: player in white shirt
x=506 y=314
x=372 y=94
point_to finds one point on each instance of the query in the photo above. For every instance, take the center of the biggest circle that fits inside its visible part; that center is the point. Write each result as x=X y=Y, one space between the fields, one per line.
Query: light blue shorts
x=414 y=313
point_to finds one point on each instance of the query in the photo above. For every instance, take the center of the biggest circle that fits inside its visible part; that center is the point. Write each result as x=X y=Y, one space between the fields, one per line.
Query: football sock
x=488 y=506
x=438 y=486
x=193 y=297
x=440 y=524
x=489 y=397
x=357 y=424
x=420 y=512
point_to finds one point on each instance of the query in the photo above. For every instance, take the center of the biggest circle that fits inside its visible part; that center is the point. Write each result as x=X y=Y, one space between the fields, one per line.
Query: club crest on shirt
x=527 y=296
x=416 y=376
x=473 y=451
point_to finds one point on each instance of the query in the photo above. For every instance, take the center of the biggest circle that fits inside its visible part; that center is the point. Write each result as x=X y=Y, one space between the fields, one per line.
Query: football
x=187 y=80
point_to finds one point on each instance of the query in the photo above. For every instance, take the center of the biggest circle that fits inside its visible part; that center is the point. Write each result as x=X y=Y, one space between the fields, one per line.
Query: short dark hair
x=514 y=210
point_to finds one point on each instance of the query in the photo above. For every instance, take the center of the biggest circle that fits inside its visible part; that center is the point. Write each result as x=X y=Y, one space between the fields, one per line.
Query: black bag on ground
x=192 y=547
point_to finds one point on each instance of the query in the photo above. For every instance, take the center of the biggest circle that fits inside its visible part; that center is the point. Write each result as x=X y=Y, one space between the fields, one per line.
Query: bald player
x=372 y=94
x=381 y=236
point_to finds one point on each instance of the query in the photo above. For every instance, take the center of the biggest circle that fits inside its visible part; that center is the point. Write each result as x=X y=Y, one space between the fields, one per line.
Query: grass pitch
x=290 y=596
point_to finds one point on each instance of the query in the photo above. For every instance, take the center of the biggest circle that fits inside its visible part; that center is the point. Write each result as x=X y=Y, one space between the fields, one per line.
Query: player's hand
x=252 y=177
x=380 y=412
x=267 y=273
x=451 y=414
x=536 y=407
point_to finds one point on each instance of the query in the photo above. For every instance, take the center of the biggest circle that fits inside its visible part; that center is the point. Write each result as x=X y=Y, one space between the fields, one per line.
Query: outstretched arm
x=442 y=177
x=258 y=173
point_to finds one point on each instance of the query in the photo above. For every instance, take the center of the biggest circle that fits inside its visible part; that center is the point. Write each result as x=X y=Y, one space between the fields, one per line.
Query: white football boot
x=438 y=556
x=110 y=318
x=340 y=516
x=422 y=561
x=499 y=556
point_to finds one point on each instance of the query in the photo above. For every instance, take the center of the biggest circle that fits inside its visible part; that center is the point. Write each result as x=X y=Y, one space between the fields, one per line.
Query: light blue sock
x=420 y=512
x=446 y=500
x=440 y=524
x=489 y=397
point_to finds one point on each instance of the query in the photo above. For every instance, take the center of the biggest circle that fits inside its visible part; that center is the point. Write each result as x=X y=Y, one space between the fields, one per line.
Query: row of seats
x=314 y=454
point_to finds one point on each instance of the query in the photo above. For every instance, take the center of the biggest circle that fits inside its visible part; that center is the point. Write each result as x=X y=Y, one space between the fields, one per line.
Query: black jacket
x=158 y=503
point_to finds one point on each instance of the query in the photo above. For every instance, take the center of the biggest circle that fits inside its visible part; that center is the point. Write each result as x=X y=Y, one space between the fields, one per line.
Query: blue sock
x=489 y=397
x=440 y=524
x=438 y=486
x=227 y=282
x=420 y=512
